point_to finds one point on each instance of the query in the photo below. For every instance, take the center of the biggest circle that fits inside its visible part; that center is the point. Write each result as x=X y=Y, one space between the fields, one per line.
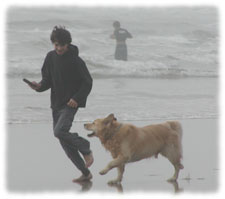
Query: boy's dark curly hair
x=61 y=35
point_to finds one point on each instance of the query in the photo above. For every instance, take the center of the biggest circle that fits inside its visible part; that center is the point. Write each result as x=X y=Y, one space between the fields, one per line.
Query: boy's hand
x=35 y=85
x=72 y=103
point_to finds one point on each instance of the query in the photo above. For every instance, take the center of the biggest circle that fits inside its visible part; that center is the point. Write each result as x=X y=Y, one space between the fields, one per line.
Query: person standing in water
x=66 y=74
x=120 y=35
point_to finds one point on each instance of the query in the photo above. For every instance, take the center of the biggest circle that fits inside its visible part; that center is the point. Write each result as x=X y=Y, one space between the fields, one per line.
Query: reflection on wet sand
x=85 y=185
x=118 y=186
x=175 y=184
x=176 y=187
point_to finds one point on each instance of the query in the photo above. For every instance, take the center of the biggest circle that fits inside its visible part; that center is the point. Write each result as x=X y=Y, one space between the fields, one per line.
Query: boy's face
x=59 y=48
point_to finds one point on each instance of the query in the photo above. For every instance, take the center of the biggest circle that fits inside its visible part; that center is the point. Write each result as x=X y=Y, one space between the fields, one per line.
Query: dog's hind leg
x=120 y=160
x=120 y=175
x=173 y=153
x=175 y=160
x=177 y=168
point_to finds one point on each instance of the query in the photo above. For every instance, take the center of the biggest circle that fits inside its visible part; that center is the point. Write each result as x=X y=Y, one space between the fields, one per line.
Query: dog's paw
x=103 y=172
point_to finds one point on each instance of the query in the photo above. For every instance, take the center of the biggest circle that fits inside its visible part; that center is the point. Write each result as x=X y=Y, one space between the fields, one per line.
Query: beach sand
x=37 y=163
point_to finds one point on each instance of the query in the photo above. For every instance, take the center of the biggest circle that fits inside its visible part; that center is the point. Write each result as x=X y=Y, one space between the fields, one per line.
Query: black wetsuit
x=121 y=48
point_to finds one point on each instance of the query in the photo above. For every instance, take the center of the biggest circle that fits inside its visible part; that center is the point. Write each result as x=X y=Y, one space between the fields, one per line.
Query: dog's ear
x=109 y=119
x=108 y=131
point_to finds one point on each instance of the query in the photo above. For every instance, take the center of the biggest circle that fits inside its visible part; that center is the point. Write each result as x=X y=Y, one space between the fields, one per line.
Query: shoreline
x=123 y=121
x=128 y=99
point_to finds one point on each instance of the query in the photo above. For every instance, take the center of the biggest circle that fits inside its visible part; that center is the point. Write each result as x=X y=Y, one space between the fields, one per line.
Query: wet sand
x=36 y=162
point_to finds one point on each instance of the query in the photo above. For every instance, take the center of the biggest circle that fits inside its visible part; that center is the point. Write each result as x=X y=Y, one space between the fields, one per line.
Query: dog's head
x=101 y=127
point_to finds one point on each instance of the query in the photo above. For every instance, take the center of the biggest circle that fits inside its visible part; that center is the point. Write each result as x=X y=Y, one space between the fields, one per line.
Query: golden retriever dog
x=128 y=143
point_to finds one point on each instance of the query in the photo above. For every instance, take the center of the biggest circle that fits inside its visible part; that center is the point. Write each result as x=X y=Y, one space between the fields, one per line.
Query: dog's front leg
x=114 y=163
x=120 y=175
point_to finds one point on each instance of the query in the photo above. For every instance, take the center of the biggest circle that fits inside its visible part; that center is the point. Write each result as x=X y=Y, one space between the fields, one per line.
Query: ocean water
x=172 y=71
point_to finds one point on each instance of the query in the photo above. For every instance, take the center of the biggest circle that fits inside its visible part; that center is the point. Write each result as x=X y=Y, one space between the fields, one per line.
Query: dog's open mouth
x=91 y=134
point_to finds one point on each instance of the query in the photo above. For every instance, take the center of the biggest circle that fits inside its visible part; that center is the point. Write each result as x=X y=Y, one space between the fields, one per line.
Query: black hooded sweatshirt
x=67 y=76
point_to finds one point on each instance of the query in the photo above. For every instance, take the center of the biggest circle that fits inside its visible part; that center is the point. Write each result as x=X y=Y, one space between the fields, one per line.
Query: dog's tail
x=176 y=126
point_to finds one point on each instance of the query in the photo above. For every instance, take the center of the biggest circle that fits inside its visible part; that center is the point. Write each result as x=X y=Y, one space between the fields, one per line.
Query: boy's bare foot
x=89 y=159
x=83 y=178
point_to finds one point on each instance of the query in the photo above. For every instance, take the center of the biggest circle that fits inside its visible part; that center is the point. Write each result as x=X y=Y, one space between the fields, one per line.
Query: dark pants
x=72 y=143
